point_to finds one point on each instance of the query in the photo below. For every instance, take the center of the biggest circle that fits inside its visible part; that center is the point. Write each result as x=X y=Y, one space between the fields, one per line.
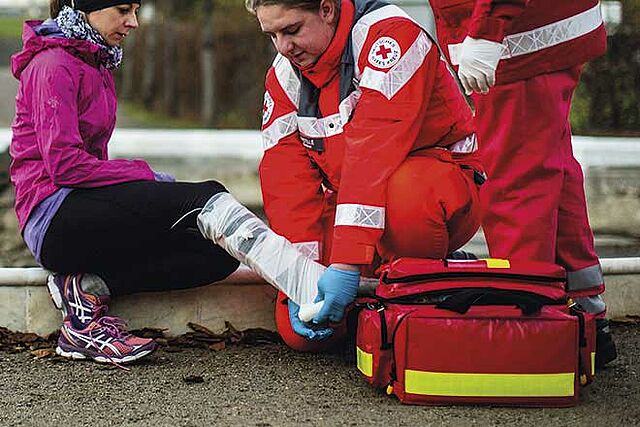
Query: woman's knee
x=207 y=189
x=213 y=187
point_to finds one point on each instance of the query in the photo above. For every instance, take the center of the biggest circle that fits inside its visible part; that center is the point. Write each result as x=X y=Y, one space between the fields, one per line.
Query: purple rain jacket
x=65 y=115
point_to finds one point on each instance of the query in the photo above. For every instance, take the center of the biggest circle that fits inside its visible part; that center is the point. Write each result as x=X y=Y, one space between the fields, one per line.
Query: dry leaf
x=43 y=352
x=217 y=346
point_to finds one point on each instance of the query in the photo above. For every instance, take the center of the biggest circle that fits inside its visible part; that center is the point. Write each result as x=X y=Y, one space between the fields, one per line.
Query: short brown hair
x=313 y=5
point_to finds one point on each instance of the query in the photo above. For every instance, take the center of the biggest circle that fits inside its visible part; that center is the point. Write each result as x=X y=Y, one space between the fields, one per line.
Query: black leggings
x=124 y=234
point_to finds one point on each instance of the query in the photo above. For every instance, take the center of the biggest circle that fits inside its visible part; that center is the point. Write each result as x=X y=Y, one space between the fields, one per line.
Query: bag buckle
x=375 y=306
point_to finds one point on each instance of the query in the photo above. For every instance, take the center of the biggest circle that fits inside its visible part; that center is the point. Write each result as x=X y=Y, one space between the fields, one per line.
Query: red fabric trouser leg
x=432 y=209
x=533 y=203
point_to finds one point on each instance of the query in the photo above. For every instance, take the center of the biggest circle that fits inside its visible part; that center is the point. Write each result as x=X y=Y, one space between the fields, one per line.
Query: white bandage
x=244 y=236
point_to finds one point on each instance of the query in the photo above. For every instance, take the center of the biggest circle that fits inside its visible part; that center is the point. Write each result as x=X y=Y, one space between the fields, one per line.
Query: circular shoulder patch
x=267 y=108
x=384 y=53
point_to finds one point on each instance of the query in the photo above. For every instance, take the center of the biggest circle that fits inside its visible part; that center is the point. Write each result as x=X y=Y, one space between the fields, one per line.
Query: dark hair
x=55 y=6
x=312 y=5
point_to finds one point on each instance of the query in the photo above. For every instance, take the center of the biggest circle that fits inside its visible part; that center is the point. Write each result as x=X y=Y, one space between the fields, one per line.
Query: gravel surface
x=273 y=386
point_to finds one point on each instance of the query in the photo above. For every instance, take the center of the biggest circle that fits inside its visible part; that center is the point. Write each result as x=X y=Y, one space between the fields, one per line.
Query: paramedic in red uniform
x=521 y=60
x=368 y=146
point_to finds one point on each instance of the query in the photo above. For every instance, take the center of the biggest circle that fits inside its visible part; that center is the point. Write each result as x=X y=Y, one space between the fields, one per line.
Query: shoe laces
x=116 y=327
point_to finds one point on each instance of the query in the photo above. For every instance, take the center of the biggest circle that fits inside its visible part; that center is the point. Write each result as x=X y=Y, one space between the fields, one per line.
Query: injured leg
x=244 y=236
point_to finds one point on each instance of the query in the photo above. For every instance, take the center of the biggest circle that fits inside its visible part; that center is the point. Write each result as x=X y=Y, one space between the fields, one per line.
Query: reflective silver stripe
x=313 y=127
x=587 y=278
x=594 y=304
x=310 y=250
x=281 y=127
x=467 y=145
x=360 y=29
x=390 y=82
x=287 y=79
x=360 y=216
x=348 y=104
x=543 y=37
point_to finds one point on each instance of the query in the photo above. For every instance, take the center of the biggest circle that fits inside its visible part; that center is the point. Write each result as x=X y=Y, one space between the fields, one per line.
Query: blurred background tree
x=203 y=60
x=201 y=63
x=608 y=98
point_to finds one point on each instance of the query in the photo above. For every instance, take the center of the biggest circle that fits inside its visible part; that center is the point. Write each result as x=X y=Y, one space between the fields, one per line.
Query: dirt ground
x=271 y=385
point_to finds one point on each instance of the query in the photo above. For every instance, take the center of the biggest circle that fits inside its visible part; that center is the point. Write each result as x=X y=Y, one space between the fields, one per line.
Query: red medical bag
x=475 y=332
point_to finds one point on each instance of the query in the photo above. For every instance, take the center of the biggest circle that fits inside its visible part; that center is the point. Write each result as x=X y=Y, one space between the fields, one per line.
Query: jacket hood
x=42 y=35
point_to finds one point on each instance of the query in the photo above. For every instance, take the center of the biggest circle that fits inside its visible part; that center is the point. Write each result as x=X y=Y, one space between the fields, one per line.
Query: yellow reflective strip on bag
x=365 y=362
x=497 y=263
x=593 y=363
x=489 y=385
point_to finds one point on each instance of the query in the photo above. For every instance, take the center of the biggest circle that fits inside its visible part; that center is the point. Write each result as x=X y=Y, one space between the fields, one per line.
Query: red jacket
x=404 y=100
x=540 y=36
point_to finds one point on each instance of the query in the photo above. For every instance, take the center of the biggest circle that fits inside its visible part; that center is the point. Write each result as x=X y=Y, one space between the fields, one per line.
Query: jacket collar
x=327 y=65
x=33 y=43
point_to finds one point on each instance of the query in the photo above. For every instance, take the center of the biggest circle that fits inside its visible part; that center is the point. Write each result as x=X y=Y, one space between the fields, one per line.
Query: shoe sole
x=102 y=359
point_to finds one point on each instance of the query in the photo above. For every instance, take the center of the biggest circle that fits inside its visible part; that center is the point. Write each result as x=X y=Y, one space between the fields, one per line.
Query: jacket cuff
x=487 y=28
x=352 y=254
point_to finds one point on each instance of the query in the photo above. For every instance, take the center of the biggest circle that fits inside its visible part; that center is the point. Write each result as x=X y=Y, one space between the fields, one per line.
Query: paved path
x=273 y=386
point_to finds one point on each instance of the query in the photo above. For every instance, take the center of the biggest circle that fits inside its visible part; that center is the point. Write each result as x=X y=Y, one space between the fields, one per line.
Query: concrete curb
x=243 y=299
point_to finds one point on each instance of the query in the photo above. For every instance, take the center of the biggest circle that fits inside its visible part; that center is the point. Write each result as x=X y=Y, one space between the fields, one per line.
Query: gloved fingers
x=321 y=334
x=300 y=328
x=491 y=79
x=337 y=316
x=475 y=83
x=465 y=84
x=330 y=307
x=310 y=333
x=483 y=85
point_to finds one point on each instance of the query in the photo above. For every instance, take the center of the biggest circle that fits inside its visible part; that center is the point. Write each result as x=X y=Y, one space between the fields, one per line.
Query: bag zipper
x=462 y=275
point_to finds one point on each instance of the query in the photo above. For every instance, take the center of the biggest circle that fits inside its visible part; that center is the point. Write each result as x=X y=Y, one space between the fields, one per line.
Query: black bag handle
x=460 y=302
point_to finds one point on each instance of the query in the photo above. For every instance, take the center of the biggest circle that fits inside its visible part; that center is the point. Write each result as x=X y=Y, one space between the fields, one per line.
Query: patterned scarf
x=74 y=26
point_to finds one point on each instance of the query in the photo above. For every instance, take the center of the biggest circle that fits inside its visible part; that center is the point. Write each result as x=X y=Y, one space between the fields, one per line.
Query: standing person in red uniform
x=369 y=146
x=521 y=60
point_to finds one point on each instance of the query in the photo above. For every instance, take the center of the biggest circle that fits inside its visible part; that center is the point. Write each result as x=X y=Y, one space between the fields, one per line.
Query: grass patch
x=132 y=115
x=11 y=27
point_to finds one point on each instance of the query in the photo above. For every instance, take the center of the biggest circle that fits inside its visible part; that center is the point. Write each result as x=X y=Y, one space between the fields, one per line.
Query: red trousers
x=432 y=209
x=533 y=203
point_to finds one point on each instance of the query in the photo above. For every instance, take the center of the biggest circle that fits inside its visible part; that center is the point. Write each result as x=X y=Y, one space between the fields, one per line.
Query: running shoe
x=68 y=296
x=105 y=340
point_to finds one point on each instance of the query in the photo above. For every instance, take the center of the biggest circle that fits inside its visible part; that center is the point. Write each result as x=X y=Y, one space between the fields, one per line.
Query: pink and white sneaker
x=68 y=296
x=105 y=340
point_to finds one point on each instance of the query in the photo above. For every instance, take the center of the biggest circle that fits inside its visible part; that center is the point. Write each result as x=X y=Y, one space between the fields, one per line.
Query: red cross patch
x=267 y=108
x=384 y=53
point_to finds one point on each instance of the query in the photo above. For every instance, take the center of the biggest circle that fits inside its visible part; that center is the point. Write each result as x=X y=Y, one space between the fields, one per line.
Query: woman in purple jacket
x=107 y=227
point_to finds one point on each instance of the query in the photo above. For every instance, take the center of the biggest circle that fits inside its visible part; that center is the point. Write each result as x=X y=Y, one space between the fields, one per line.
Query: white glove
x=478 y=62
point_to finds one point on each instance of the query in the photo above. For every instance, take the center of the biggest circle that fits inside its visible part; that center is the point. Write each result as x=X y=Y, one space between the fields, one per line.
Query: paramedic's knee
x=297 y=342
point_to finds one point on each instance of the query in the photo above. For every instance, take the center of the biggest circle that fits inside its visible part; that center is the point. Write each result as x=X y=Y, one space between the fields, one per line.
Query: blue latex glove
x=338 y=288
x=312 y=334
x=163 y=177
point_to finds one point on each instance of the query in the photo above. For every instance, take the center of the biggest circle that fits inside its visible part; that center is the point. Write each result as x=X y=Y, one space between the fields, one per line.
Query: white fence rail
x=247 y=144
